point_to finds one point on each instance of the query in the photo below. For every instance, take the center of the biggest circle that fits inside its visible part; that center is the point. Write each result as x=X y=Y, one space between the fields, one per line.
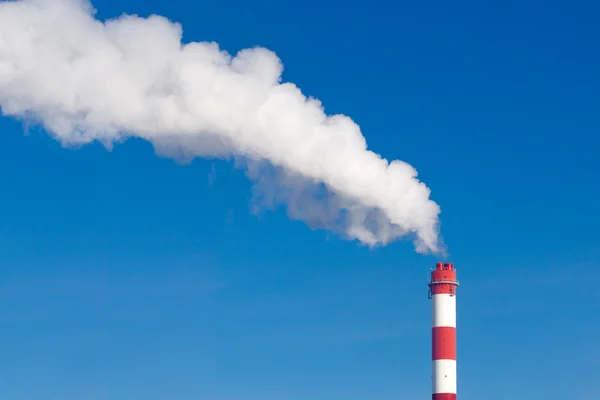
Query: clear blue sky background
x=124 y=276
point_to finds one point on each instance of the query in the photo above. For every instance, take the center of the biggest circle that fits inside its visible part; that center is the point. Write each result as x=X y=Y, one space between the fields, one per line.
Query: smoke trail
x=86 y=80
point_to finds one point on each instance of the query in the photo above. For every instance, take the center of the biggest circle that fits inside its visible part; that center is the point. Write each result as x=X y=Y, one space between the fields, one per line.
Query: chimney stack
x=442 y=291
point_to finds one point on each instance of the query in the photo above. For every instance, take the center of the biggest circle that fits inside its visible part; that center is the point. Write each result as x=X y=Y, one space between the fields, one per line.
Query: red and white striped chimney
x=442 y=289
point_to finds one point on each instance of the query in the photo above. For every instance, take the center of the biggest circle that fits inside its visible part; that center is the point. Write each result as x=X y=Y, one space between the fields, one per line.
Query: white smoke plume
x=87 y=80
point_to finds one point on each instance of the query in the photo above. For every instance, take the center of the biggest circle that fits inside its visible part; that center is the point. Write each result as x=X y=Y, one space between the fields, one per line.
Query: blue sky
x=128 y=276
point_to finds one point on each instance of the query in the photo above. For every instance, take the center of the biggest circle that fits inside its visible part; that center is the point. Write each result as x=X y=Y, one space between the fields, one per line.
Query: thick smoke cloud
x=87 y=80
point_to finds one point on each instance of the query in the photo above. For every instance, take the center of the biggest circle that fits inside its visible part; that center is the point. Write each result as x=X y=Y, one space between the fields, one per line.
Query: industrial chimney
x=442 y=289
